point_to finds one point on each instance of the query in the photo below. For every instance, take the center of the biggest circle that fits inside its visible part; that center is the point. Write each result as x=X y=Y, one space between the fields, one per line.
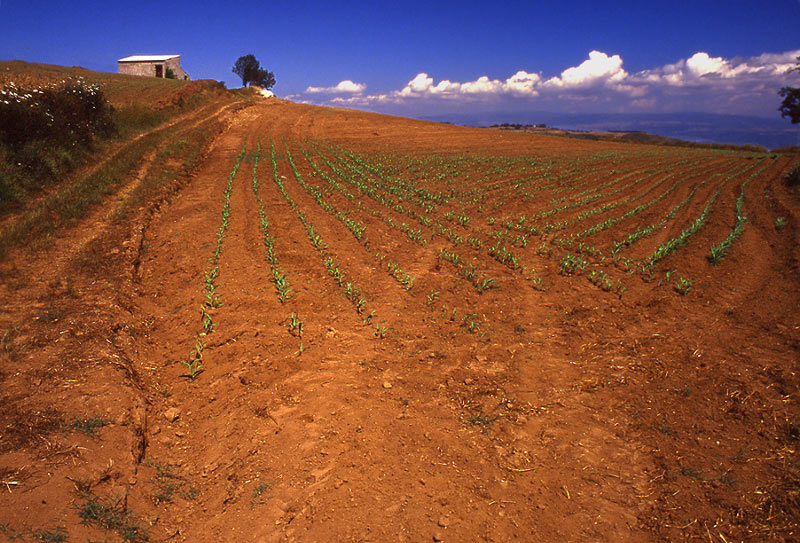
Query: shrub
x=67 y=113
x=44 y=131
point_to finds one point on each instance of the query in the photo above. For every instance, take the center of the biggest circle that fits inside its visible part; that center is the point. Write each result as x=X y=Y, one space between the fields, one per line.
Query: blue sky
x=417 y=58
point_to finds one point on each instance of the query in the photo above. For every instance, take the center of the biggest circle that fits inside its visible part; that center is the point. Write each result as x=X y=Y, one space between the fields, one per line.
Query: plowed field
x=353 y=327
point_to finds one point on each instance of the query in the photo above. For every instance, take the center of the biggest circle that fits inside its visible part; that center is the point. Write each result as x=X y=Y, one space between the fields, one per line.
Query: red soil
x=572 y=415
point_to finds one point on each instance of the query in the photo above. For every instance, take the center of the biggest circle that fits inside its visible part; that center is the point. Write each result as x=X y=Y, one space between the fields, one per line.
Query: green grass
x=112 y=516
x=89 y=426
x=71 y=198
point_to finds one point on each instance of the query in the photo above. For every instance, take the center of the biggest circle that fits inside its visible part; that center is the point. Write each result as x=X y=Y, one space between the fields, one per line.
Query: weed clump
x=89 y=425
x=111 y=516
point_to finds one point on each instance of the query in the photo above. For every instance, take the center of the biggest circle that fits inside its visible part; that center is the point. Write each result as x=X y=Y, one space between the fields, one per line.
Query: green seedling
x=537 y=283
x=432 y=296
x=572 y=264
x=683 y=285
x=208 y=322
x=486 y=284
x=194 y=363
x=295 y=325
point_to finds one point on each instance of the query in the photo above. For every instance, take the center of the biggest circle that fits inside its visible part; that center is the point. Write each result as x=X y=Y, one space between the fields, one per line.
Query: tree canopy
x=790 y=107
x=249 y=69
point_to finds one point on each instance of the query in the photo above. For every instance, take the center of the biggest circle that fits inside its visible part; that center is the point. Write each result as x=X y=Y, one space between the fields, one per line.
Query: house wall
x=148 y=69
x=175 y=65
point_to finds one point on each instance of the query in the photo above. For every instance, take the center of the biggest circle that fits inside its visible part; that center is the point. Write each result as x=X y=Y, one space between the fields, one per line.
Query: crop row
x=279 y=278
x=194 y=362
x=671 y=245
x=719 y=251
x=351 y=291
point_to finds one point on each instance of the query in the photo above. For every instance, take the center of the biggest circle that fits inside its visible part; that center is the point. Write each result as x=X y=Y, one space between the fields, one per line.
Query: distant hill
x=695 y=127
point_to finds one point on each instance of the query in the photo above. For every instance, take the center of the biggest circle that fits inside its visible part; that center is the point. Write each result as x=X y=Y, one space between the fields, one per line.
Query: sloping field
x=121 y=90
x=352 y=327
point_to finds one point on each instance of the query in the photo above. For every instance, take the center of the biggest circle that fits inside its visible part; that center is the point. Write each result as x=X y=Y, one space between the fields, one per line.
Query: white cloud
x=701 y=64
x=482 y=85
x=700 y=82
x=523 y=83
x=598 y=69
x=344 y=87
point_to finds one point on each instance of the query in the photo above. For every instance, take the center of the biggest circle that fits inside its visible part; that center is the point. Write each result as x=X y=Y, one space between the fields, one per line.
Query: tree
x=264 y=79
x=790 y=107
x=251 y=72
x=247 y=68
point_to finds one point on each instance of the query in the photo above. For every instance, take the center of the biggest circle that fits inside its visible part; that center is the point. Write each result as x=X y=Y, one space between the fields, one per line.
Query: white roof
x=147 y=58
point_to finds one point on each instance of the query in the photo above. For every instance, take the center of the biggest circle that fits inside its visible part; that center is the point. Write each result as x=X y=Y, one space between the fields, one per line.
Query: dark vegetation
x=518 y=126
x=790 y=107
x=47 y=131
x=68 y=140
x=249 y=69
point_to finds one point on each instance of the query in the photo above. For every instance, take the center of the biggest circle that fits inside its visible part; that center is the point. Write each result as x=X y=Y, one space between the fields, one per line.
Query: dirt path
x=571 y=415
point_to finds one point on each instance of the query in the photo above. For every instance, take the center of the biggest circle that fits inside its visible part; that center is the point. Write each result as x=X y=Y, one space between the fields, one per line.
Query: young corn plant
x=194 y=363
x=571 y=265
x=467 y=271
x=602 y=280
x=295 y=325
x=683 y=285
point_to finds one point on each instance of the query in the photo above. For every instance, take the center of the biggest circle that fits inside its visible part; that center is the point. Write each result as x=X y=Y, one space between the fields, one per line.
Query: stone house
x=152 y=66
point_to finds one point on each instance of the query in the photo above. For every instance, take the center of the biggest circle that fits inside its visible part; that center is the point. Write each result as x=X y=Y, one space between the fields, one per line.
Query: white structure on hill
x=152 y=66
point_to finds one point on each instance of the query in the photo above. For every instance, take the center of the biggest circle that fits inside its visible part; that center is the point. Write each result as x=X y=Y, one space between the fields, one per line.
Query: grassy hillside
x=69 y=137
x=121 y=90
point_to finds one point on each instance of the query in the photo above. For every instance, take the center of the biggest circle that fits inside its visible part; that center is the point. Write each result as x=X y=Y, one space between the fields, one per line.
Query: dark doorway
x=159 y=70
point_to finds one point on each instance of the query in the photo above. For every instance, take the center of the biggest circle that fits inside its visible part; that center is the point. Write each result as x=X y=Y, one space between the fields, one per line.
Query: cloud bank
x=599 y=83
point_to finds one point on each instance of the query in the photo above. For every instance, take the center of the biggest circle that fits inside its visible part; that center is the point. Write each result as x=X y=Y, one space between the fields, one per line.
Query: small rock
x=172 y=414
x=155 y=430
x=393 y=509
x=338 y=483
x=387 y=384
x=444 y=522
x=468 y=381
x=438 y=536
